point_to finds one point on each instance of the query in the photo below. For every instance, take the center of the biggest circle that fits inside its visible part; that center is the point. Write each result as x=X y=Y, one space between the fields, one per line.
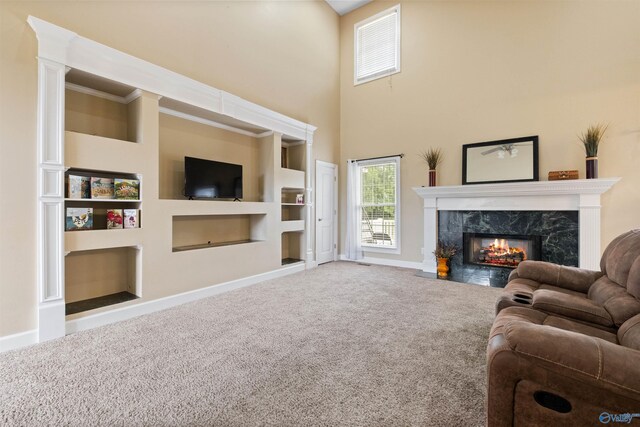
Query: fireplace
x=500 y=250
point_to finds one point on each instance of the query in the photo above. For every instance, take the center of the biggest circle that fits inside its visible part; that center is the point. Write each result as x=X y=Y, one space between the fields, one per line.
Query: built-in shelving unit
x=103 y=139
x=124 y=117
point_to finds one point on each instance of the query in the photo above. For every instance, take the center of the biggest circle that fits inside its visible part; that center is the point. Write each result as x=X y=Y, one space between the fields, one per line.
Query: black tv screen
x=208 y=179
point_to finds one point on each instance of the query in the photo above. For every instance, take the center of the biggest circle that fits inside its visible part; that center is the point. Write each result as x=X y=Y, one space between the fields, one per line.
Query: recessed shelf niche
x=191 y=232
x=292 y=247
x=93 y=278
x=99 y=106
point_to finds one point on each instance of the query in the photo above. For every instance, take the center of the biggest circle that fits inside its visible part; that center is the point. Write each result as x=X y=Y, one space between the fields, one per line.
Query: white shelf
x=292 y=226
x=291 y=179
x=104 y=200
x=292 y=204
x=92 y=152
x=85 y=240
x=215 y=207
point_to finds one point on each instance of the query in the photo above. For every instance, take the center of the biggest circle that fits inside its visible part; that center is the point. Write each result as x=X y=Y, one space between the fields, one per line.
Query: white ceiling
x=346 y=6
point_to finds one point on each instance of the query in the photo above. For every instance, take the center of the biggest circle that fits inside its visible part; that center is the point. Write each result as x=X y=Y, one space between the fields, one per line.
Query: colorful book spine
x=78 y=187
x=79 y=219
x=131 y=218
x=114 y=219
x=127 y=189
x=102 y=188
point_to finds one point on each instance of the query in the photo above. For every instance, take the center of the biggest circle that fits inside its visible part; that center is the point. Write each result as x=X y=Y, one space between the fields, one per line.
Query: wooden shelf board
x=212 y=245
x=103 y=301
x=104 y=200
x=84 y=240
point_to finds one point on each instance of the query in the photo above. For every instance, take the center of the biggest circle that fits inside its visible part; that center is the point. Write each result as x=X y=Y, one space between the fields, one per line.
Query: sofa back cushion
x=629 y=333
x=615 y=299
x=621 y=261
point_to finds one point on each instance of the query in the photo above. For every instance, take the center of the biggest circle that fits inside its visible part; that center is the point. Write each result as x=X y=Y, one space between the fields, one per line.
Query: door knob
x=319 y=219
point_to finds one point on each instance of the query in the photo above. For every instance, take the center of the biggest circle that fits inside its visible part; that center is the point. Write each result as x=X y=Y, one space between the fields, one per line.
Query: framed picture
x=506 y=160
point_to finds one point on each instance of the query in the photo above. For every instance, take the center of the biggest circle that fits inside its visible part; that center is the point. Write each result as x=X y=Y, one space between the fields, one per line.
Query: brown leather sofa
x=565 y=345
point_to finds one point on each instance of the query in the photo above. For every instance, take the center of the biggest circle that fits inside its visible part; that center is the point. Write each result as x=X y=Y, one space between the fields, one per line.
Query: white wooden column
x=50 y=147
x=589 y=231
x=309 y=226
x=430 y=234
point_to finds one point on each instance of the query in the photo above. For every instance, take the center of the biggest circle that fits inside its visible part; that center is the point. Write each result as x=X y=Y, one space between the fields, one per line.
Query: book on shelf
x=131 y=218
x=79 y=219
x=101 y=188
x=78 y=187
x=127 y=189
x=114 y=219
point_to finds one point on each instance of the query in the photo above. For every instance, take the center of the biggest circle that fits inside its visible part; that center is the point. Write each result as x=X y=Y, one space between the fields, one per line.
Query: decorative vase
x=592 y=167
x=432 y=177
x=443 y=268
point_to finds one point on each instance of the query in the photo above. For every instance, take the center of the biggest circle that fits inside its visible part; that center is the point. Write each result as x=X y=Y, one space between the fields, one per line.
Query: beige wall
x=479 y=71
x=282 y=55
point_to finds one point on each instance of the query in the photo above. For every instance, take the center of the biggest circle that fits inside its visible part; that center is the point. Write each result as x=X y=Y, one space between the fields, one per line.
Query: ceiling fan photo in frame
x=506 y=160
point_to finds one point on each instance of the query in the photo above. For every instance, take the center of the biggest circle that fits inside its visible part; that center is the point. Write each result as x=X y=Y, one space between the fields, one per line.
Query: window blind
x=377 y=50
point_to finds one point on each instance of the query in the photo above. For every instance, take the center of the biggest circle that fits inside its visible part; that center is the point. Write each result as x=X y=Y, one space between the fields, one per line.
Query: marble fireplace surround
x=582 y=195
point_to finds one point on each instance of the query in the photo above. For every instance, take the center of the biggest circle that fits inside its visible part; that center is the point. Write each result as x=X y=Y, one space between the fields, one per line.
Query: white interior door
x=326 y=211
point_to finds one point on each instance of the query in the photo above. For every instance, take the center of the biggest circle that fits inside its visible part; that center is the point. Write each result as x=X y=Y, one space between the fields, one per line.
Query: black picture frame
x=469 y=154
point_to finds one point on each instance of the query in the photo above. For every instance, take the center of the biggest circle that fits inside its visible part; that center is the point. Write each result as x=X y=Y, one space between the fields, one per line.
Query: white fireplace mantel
x=581 y=195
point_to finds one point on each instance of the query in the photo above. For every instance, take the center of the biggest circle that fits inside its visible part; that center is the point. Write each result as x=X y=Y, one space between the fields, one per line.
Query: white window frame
x=385 y=13
x=369 y=247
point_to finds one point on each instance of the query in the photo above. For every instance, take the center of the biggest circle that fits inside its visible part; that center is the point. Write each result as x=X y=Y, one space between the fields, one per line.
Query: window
x=377 y=46
x=379 y=188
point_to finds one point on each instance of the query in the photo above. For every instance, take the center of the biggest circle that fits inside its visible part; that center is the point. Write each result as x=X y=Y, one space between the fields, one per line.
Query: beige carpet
x=342 y=344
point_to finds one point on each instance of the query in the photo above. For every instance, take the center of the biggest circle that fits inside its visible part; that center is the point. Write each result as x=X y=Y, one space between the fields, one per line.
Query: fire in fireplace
x=500 y=250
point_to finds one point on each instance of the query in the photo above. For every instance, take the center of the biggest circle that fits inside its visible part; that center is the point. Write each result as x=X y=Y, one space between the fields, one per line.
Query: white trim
x=22 y=339
x=511 y=189
x=181 y=115
x=66 y=47
x=135 y=310
x=369 y=247
x=582 y=195
x=135 y=94
x=358 y=81
x=385 y=261
x=50 y=200
x=335 y=207
x=93 y=92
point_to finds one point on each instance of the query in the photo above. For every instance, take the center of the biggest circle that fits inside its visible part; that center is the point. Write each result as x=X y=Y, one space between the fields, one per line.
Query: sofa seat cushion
x=536 y=317
x=562 y=290
x=581 y=328
x=572 y=306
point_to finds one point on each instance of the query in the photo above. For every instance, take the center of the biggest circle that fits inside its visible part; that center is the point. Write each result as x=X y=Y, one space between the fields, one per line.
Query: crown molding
x=66 y=47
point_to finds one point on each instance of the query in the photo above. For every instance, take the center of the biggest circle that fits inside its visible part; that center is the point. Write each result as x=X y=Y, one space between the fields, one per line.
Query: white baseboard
x=384 y=261
x=131 y=311
x=23 y=339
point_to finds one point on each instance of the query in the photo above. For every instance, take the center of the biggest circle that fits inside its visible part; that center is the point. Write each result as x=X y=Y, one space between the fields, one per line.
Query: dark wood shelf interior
x=103 y=301
x=212 y=245
x=288 y=261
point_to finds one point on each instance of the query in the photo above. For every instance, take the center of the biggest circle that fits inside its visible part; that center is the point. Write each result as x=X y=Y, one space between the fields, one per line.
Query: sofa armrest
x=572 y=278
x=592 y=360
x=571 y=306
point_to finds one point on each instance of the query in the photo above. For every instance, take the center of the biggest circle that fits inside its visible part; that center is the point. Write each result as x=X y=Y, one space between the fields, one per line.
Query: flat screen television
x=208 y=179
